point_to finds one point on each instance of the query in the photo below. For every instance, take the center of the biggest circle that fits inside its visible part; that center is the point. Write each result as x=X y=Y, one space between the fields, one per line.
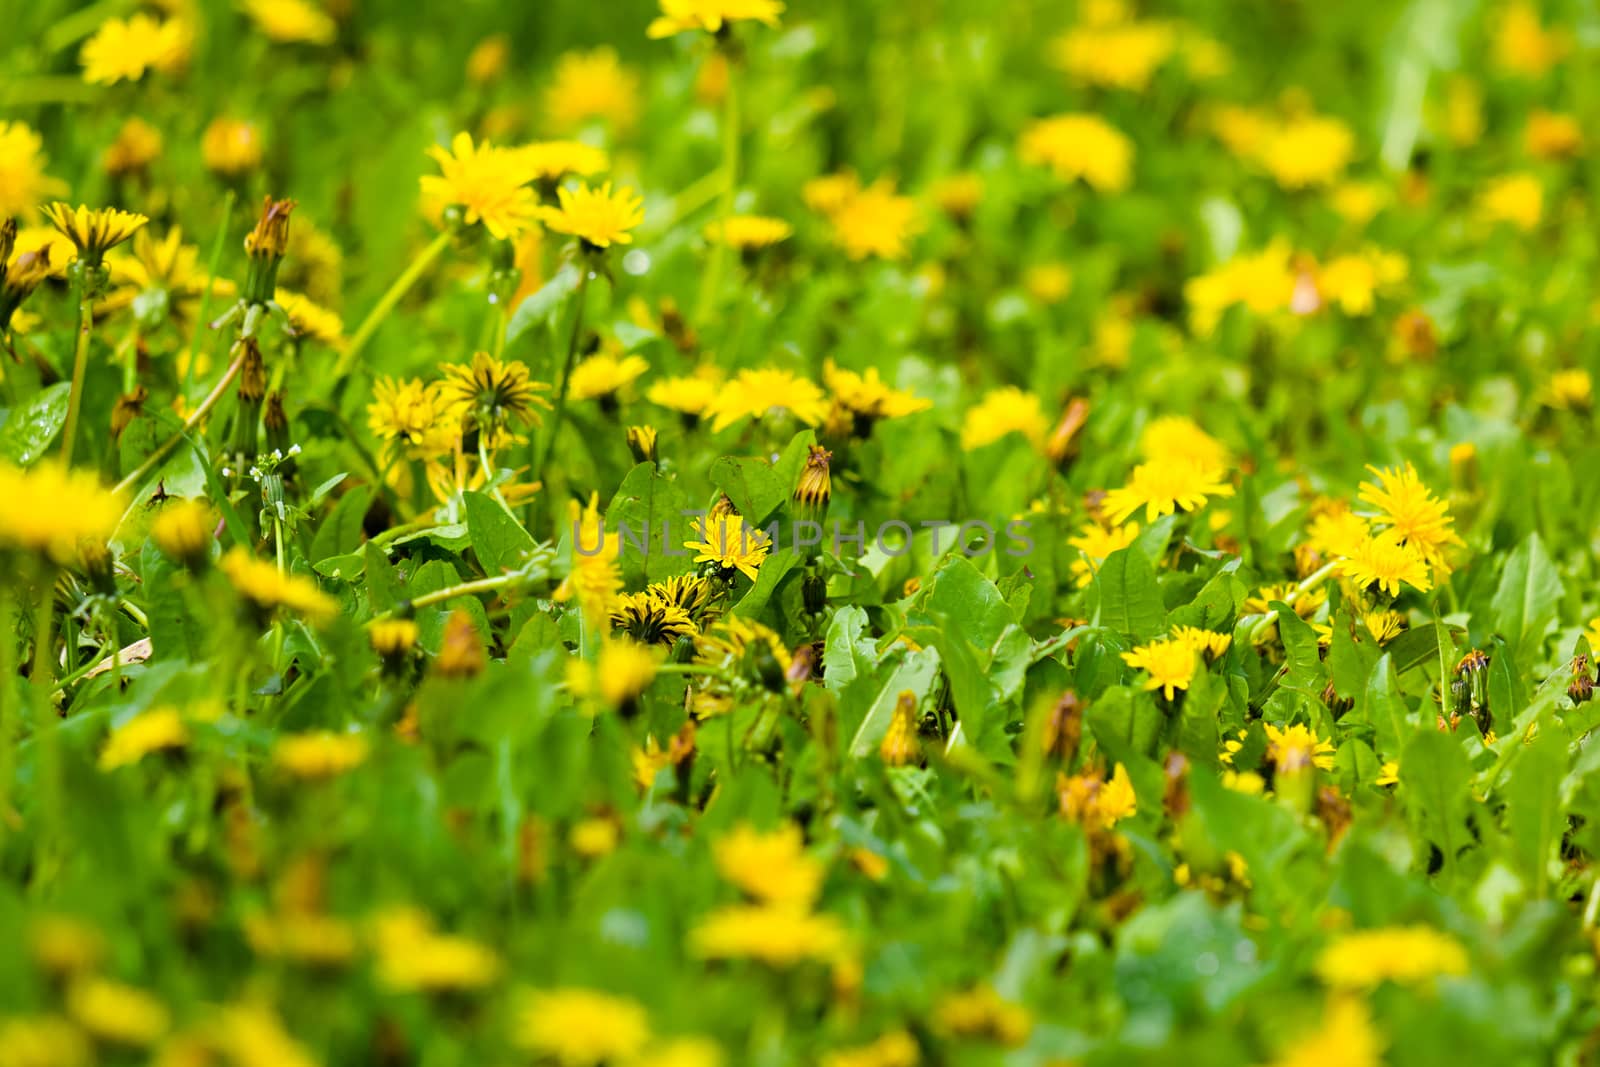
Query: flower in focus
x=1168 y=662
x=319 y=755
x=726 y=541
x=683 y=16
x=410 y=414
x=1411 y=512
x=1387 y=561
x=50 y=509
x=1403 y=954
x=292 y=21
x=23 y=182
x=597 y=217
x=581 y=1027
x=1004 y=411
x=489 y=394
x=488 y=184
x=267 y=588
x=1080 y=146
x=156 y=730
x=1294 y=748
x=126 y=48
x=651 y=620
x=1163 y=487
x=592 y=85
x=231 y=147
x=765 y=391
x=93 y=233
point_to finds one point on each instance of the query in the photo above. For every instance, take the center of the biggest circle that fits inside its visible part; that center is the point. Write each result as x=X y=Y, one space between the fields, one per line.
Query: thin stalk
x=80 y=367
x=45 y=725
x=1313 y=580
x=730 y=179
x=195 y=418
x=387 y=302
x=472 y=588
x=205 y=295
x=8 y=692
x=566 y=376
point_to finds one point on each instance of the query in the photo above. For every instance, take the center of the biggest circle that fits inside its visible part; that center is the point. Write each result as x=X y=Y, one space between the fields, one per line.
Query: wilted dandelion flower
x=772 y=867
x=488 y=185
x=1082 y=146
x=1004 y=411
x=231 y=147
x=23 y=182
x=319 y=755
x=683 y=16
x=1169 y=663
x=267 y=588
x=580 y=1027
x=156 y=730
x=599 y=217
x=126 y=48
x=592 y=85
x=50 y=509
x=1294 y=748
x=1163 y=487
x=726 y=541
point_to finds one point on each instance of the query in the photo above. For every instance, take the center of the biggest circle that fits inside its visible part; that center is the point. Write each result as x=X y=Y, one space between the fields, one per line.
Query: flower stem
x=387 y=302
x=730 y=178
x=472 y=588
x=80 y=367
x=154 y=459
x=8 y=693
x=1315 y=579
x=537 y=472
x=44 y=711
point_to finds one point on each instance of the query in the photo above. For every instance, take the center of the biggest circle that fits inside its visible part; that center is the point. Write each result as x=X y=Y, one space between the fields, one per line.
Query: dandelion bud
x=276 y=422
x=1582 y=687
x=462 y=654
x=814 y=589
x=900 y=745
x=252 y=391
x=183 y=532
x=266 y=245
x=642 y=443
x=1063 y=730
x=815 y=486
x=98 y=566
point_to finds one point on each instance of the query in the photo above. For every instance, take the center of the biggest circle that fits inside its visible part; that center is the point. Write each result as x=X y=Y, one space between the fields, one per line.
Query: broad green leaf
x=1528 y=598
x=1130 y=601
x=29 y=429
x=648 y=513
x=544 y=304
x=498 y=538
x=1533 y=803
x=340 y=532
x=1435 y=776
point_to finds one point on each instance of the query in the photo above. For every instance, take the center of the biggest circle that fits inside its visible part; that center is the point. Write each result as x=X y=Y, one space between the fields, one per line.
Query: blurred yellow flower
x=580 y=1027
x=231 y=147
x=1549 y=135
x=319 y=754
x=1570 y=390
x=1522 y=45
x=292 y=21
x=748 y=232
x=1403 y=954
x=117 y=1013
x=604 y=375
x=1515 y=198
x=773 y=934
x=772 y=867
x=982 y=1013
x=310 y=321
x=875 y=221
x=1294 y=748
x=268 y=588
x=1263 y=282
x=127 y=48
x=550 y=161
x=1346 y=1038
x=1078 y=146
x=156 y=730
x=51 y=509
x=1095 y=803
x=414 y=957
x=1309 y=150
x=897 y=1048
x=592 y=85
x=682 y=16
x=1168 y=662
x=1096 y=542
x=1003 y=411
x=1353 y=281
x=23 y=182
x=1123 y=55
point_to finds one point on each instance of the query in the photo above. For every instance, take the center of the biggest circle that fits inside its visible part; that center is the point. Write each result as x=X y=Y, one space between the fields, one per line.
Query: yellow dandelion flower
x=162 y=268
x=550 y=161
x=1307 y=151
x=268 y=588
x=876 y=221
x=1169 y=663
x=689 y=395
x=580 y=1027
x=117 y=1013
x=392 y=638
x=309 y=320
x=1569 y=390
x=827 y=194
x=410 y=414
x=1048 y=283
x=1120 y=56
x=157 y=730
x=597 y=217
x=93 y=233
x=1095 y=803
x=1522 y=44
x=414 y=957
x=1161 y=488
x=652 y=620
x=685 y=16
x=1004 y=411
x=1294 y=748
x=748 y=233
x=320 y=754
x=866 y=396
x=1206 y=643
x=1550 y=135
x=682 y=1052
x=491 y=393
x=1517 y=199
x=592 y=85
x=1339 y=532
x=605 y=375
x=774 y=934
x=1346 y=1038
x=1411 y=512
x=127 y=48
x=1359 y=201
x=50 y=510
x=1389 y=773
x=1080 y=146
x=980 y=1012
x=1406 y=955
x=23 y=182
x=302 y=937
x=1263 y=282
x=1178 y=438
x=231 y=147
x=897 y=1048
x=292 y=21
x=1096 y=542
x=726 y=541
x=595 y=578
x=1353 y=281
x=624 y=671
x=767 y=391
x=772 y=867
x=488 y=185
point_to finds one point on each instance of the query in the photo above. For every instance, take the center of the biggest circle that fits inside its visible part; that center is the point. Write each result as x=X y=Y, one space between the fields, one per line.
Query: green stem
x=67 y=681
x=387 y=302
x=45 y=725
x=1313 y=580
x=154 y=459
x=472 y=588
x=80 y=367
x=730 y=178
x=701 y=669
x=204 y=315
x=8 y=694
x=566 y=376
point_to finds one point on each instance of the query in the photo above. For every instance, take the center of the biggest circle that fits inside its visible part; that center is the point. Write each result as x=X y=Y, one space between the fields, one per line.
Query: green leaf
x=916 y=674
x=1533 y=803
x=545 y=304
x=848 y=651
x=1303 y=663
x=1528 y=597
x=498 y=538
x=648 y=512
x=340 y=532
x=1130 y=601
x=28 y=431
x=756 y=487
x=1435 y=775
